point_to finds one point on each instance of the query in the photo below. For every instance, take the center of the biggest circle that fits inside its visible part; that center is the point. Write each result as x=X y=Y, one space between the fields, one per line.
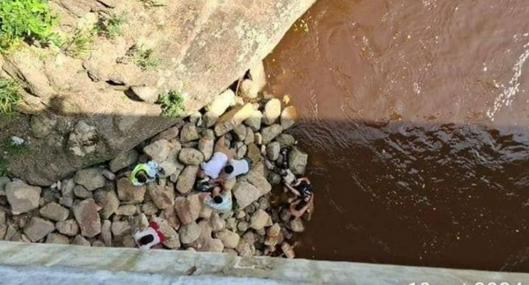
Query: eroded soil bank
x=415 y=116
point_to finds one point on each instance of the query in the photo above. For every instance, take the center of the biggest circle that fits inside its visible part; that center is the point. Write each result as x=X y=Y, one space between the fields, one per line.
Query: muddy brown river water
x=416 y=116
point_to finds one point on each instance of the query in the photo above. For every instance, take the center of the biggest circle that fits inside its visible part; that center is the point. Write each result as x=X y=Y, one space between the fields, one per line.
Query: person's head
x=141 y=176
x=228 y=169
x=217 y=199
x=146 y=239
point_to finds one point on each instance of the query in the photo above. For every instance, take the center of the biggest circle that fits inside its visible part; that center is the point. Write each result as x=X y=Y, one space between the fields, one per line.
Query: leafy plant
x=172 y=104
x=80 y=44
x=110 y=26
x=9 y=97
x=27 y=20
x=145 y=59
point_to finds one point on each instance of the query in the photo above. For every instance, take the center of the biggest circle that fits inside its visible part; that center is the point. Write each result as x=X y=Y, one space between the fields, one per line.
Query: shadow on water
x=416 y=194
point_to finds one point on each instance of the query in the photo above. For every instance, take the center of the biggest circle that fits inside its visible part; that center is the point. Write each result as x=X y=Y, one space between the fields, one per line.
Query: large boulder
x=90 y=178
x=22 y=197
x=87 y=216
x=198 y=49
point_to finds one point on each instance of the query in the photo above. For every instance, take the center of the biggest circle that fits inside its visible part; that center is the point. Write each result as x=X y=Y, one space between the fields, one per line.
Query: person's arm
x=304 y=179
x=292 y=189
x=300 y=212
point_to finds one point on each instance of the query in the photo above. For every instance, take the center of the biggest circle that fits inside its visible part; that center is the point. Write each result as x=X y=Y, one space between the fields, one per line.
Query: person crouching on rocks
x=235 y=168
x=304 y=197
x=145 y=173
x=219 y=199
x=149 y=237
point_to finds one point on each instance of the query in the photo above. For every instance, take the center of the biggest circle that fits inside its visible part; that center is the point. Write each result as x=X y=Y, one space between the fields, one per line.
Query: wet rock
x=109 y=202
x=57 y=239
x=258 y=75
x=259 y=219
x=228 y=238
x=120 y=228
x=67 y=193
x=87 y=217
x=146 y=93
x=80 y=240
x=286 y=140
x=67 y=227
x=54 y=212
x=189 y=233
x=288 y=250
x=221 y=103
x=130 y=193
x=106 y=235
x=296 y=225
x=297 y=161
x=206 y=145
x=123 y=160
x=274 y=235
x=272 y=151
x=22 y=197
x=189 y=133
x=190 y=156
x=274 y=178
x=188 y=208
x=38 y=228
x=249 y=89
x=254 y=121
x=42 y=125
x=158 y=150
x=162 y=196
x=216 y=222
x=270 y=133
x=81 y=192
x=233 y=118
x=272 y=111
x=90 y=178
x=186 y=181
x=83 y=139
x=126 y=210
x=288 y=117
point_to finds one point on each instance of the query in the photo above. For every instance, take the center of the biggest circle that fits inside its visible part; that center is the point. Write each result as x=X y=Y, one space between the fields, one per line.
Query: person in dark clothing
x=303 y=199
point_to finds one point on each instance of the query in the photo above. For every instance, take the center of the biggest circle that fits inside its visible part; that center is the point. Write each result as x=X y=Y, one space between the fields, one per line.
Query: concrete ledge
x=22 y=263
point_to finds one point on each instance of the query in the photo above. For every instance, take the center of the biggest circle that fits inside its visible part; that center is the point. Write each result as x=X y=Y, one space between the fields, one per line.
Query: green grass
x=110 y=26
x=80 y=43
x=145 y=59
x=25 y=20
x=172 y=104
x=9 y=97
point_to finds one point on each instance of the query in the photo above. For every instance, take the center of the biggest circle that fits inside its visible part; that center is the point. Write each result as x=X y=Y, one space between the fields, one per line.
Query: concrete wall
x=22 y=263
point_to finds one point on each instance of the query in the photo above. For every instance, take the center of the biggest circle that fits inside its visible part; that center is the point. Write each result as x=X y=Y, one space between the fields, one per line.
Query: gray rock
x=270 y=133
x=272 y=150
x=169 y=134
x=98 y=243
x=187 y=178
x=3 y=182
x=80 y=240
x=286 y=140
x=57 y=239
x=217 y=223
x=42 y=125
x=254 y=121
x=250 y=136
x=90 y=178
x=240 y=132
x=162 y=196
x=249 y=89
x=242 y=226
x=244 y=248
x=81 y=192
x=171 y=166
x=109 y=201
x=190 y=156
x=288 y=250
x=228 y=238
x=272 y=111
x=54 y=212
x=83 y=139
x=189 y=133
x=87 y=217
x=233 y=118
x=288 y=117
x=189 y=233
x=130 y=193
x=273 y=235
x=106 y=235
x=126 y=210
x=38 y=228
x=67 y=197
x=259 y=219
x=22 y=197
x=296 y=225
x=109 y=175
x=124 y=159
x=172 y=239
x=246 y=193
x=221 y=103
x=149 y=208
x=297 y=161
x=206 y=145
x=188 y=208
x=258 y=75
x=158 y=150
x=120 y=228
x=68 y=227
x=146 y=93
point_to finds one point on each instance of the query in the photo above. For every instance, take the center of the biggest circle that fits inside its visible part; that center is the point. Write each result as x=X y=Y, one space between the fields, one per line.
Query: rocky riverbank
x=98 y=206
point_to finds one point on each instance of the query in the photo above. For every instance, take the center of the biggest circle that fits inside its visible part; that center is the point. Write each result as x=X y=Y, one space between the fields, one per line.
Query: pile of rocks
x=98 y=206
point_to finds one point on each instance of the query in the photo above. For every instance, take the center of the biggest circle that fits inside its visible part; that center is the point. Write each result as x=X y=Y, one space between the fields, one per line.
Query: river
x=415 y=114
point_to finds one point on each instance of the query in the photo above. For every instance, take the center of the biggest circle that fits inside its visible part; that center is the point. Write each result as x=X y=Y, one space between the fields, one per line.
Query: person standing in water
x=304 y=197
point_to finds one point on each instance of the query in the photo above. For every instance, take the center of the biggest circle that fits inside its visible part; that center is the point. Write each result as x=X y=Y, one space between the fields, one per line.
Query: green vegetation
x=145 y=59
x=110 y=26
x=9 y=97
x=3 y=166
x=172 y=104
x=80 y=44
x=26 y=20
